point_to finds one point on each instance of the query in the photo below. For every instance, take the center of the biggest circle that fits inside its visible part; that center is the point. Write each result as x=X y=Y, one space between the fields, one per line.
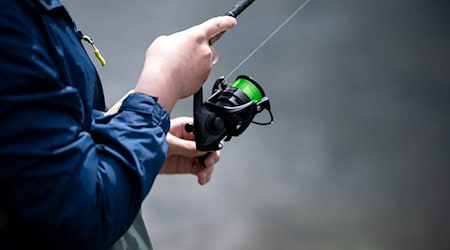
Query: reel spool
x=228 y=111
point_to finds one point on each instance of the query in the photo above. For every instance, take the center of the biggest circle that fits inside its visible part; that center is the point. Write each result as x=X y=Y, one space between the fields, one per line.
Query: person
x=71 y=176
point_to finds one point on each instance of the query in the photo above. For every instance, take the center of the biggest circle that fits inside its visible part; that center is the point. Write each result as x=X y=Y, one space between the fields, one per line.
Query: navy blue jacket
x=68 y=180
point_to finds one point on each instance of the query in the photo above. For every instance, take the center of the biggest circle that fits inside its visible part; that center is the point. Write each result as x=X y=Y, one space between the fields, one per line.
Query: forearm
x=85 y=187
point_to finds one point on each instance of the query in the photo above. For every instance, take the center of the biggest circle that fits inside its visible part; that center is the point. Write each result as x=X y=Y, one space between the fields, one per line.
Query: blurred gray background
x=359 y=154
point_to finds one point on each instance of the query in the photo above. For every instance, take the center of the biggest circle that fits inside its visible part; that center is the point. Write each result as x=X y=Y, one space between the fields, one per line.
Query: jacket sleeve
x=65 y=185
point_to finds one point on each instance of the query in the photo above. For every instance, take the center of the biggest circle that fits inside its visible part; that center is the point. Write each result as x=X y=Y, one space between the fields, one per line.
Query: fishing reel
x=227 y=112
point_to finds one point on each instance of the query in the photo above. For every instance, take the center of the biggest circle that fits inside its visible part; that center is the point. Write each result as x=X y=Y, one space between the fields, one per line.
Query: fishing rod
x=238 y=8
x=231 y=107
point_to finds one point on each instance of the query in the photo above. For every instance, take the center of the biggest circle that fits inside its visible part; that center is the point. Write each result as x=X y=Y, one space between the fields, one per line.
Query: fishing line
x=232 y=106
x=288 y=19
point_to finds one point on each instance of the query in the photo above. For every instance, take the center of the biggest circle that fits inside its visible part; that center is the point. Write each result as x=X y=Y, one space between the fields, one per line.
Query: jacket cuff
x=147 y=105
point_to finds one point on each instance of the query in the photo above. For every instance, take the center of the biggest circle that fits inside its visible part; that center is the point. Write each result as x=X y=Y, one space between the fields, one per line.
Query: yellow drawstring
x=96 y=51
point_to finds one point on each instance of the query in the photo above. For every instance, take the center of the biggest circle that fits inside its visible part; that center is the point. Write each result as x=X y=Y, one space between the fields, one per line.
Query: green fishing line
x=269 y=37
x=248 y=88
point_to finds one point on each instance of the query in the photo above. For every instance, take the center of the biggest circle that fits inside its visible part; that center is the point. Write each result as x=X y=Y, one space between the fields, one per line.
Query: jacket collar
x=50 y=4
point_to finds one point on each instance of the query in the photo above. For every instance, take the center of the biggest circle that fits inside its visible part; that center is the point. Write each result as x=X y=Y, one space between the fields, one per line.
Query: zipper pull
x=96 y=51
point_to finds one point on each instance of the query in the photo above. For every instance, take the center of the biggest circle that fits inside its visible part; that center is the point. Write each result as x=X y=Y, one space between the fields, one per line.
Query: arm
x=66 y=184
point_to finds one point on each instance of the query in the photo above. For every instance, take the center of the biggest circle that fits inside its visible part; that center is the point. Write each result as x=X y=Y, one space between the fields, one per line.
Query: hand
x=182 y=157
x=177 y=65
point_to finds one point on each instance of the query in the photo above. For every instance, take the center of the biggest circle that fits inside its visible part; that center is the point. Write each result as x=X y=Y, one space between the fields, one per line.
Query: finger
x=216 y=25
x=178 y=146
x=178 y=127
x=181 y=120
x=186 y=165
x=212 y=159
x=204 y=175
x=186 y=133
x=188 y=136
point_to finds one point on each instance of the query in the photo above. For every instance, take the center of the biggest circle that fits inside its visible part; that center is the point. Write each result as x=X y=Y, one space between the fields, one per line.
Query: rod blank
x=238 y=8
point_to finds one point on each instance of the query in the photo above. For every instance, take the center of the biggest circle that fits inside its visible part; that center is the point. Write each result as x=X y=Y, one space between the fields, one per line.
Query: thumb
x=216 y=25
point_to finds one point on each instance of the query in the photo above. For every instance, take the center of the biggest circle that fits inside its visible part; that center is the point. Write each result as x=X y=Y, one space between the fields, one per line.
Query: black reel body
x=228 y=111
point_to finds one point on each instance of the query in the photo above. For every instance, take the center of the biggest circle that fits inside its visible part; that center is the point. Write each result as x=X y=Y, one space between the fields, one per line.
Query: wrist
x=165 y=96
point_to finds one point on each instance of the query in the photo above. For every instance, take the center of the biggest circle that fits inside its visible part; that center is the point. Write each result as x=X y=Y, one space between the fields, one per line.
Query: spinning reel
x=227 y=112
x=231 y=107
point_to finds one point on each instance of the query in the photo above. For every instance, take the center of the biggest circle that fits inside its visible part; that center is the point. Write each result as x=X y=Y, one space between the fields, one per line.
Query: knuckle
x=161 y=38
x=198 y=37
